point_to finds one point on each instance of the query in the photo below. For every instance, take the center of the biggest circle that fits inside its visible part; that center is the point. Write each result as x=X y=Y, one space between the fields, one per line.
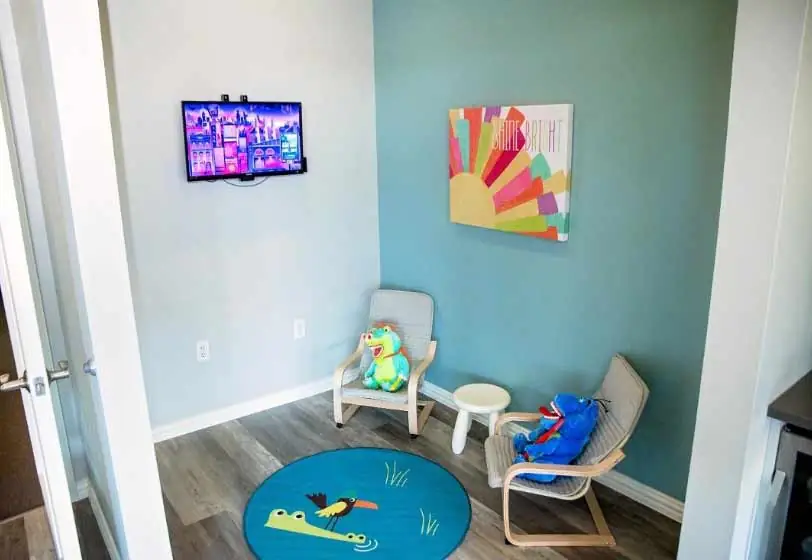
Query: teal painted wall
x=649 y=80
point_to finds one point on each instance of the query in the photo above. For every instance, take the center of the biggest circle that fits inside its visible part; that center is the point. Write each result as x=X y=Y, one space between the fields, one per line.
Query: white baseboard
x=620 y=483
x=214 y=417
x=444 y=397
x=83 y=489
x=104 y=527
x=643 y=494
x=629 y=487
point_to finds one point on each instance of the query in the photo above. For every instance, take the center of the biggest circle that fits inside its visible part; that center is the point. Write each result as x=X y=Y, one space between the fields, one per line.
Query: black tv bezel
x=241 y=176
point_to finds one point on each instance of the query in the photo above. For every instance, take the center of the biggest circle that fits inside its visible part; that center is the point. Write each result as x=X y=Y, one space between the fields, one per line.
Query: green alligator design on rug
x=296 y=522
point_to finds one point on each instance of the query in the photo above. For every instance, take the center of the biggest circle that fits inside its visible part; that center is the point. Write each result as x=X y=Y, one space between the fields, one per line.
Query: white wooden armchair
x=412 y=314
x=625 y=395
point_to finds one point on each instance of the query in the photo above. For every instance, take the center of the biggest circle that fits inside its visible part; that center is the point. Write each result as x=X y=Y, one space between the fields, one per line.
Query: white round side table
x=477 y=398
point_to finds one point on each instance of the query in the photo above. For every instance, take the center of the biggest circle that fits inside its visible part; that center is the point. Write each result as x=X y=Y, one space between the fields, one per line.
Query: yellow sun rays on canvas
x=471 y=202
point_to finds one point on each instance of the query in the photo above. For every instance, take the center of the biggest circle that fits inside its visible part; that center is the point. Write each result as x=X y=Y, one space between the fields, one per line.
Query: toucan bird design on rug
x=338 y=509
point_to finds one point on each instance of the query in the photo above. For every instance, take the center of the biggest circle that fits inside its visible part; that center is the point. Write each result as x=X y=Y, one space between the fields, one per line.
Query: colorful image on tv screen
x=233 y=139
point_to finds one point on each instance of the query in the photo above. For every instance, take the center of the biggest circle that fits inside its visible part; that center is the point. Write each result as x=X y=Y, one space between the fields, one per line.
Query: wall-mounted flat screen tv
x=242 y=140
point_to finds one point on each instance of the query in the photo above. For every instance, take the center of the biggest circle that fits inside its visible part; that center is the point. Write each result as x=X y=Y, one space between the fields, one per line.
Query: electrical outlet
x=203 y=353
x=299 y=329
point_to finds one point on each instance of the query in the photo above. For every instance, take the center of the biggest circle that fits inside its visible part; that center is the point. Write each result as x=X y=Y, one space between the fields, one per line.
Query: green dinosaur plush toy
x=389 y=369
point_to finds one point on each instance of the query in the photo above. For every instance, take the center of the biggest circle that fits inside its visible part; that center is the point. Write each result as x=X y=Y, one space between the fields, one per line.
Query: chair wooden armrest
x=355 y=357
x=581 y=471
x=515 y=417
x=417 y=419
x=338 y=380
x=416 y=375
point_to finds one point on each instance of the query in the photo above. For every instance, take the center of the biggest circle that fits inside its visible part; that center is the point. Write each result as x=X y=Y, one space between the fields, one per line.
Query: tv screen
x=227 y=139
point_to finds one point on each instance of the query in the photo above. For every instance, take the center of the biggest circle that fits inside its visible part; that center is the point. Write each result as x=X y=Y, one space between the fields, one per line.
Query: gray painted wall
x=236 y=265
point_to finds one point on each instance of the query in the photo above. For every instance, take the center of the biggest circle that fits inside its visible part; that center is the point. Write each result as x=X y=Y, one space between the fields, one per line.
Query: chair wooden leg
x=341 y=414
x=509 y=536
x=413 y=418
x=425 y=414
x=418 y=417
x=338 y=409
x=347 y=413
x=603 y=538
x=350 y=411
x=597 y=516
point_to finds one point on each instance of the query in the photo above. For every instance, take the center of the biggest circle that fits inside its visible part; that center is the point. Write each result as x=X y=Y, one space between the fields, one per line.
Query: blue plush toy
x=561 y=435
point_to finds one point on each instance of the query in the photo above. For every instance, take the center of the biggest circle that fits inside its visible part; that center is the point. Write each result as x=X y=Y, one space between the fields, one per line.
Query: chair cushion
x=412 y=315
x=625 y=394
x=499 y=457
x=609 y=434
x=355 y=388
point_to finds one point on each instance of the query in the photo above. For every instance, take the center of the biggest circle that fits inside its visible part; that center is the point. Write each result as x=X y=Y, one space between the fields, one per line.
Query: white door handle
x=61 y=373
x=8 y=386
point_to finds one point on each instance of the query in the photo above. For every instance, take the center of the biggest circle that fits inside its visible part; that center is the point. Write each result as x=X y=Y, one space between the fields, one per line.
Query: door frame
x=74 y=36
x=136 y=513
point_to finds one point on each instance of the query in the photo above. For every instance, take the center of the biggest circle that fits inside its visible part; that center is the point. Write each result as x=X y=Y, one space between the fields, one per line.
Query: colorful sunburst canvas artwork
x=510 y=168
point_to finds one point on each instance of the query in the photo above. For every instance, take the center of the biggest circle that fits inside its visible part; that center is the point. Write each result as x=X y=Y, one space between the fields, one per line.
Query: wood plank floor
x=28 y=537
x=208 y=476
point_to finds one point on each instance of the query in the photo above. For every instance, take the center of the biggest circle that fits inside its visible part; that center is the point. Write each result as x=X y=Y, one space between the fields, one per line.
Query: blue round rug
x=358 y=503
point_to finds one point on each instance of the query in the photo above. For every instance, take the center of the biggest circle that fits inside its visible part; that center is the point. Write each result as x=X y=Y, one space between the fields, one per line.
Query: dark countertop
x=794 y=406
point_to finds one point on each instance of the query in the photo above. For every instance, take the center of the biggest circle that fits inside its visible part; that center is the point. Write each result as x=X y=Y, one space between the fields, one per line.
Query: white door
x=31 y=376
x=81 y=200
